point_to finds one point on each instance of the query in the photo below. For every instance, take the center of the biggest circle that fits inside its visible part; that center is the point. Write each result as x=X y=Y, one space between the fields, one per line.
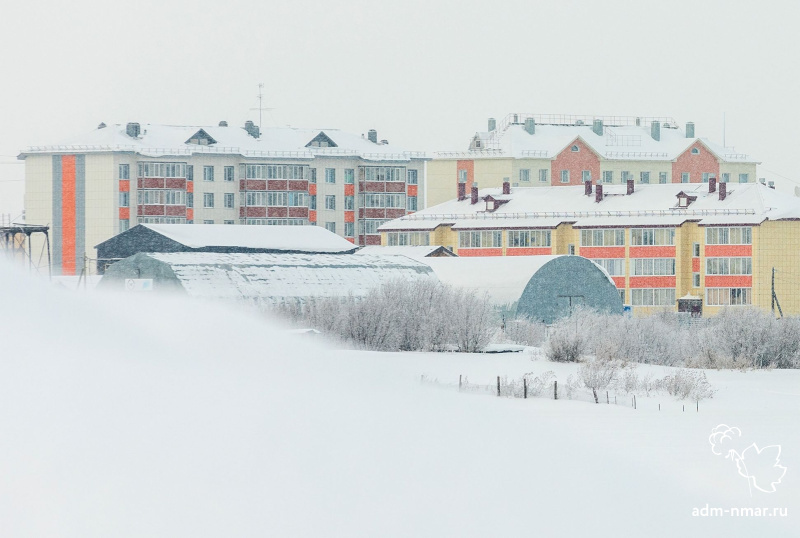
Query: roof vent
x=132 y=130
x=655 y=131
x=223 y=123
x=384 y=142
x=597 y=127
x=690 y=129
x=712 y=184
x=587 y=188
x=462 y=191
x=530 y=125
x=372 y=136
x=723 y=191
x=506 y=186
x=492 y=124
x=771 y=184
x=598 y=193
x=474 y=194
x=630 y=187
x=101 y=126
x=252 y=129
x=763 y=181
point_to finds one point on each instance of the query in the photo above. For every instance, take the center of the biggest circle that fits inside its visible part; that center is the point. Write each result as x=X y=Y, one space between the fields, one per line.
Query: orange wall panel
x=696 y=165
x=469 y=166
x=468 y=252
x=695 y=265
x=124 y=213
x=534 y=251
x=124 y=185
x=728 y=250
x=651 y=252
x=412 y=190
x=576 y=162
x=312 y=189
x=602 y=252
x=349 y=189
x=619 y=281
x=729 y=281
x=312 y=215
x=349 y=216
x=652 y=282
x=190 y=186
x=190 y=214
x=68 y=227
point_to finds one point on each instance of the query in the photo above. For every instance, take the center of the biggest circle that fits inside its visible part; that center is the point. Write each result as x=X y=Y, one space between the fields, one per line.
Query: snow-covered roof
x=278 y=277
x=626 y=141
x=289 y=238
x=413 y=252
x=649 y=205
x=157 y=140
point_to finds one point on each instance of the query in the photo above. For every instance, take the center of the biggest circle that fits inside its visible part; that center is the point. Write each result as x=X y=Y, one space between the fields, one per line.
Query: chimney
x=132 y=129
x=252 y=129
x=763 y=181
x=587 y=188
x=492 y=124
x=223 y=123
x=372 y=136
x=690 y=129
x=597 y=127
x=771 y=184
x=630 y=187
x=598 y=193
x=712 y=184
x=462 y=191
x=516 y=119
x=530 y=125
x=655 y=130
x=102 y=125
x=506 y=186
x=474 y=194
x=723 y=191
x=638 y=122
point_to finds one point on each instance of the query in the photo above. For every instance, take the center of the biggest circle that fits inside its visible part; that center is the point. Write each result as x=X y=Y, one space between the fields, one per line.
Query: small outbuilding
x=219 y=238
x=542 y=288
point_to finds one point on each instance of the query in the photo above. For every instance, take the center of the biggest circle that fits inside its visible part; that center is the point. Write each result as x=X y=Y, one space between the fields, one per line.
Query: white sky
x=425 y=74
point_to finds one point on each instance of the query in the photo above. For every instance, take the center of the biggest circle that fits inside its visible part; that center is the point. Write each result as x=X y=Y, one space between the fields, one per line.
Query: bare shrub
x=525 y=332
x=688 y=384
x=598 y=375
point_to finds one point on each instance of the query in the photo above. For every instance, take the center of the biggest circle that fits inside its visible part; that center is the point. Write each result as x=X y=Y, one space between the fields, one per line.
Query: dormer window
x=684 y=200
x=321 y=141
x=695 y=151
x=575 y=148
x=201 y=138
x=477 y=144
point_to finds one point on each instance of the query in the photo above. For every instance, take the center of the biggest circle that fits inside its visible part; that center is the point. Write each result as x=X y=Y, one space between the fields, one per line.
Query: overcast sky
x=425 y=74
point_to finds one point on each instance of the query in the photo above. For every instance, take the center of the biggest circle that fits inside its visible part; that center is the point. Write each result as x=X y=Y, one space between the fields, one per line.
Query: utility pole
x=260 y=108
x=775 y=296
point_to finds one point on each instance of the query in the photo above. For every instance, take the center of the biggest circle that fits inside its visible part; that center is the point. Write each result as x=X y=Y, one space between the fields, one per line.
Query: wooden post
x=607 y=400
x=659 y=407
x=459 y=383
x=498 y=385
x=634 y=401
x=524 y=388
x=698 y=406
x=555 y=390
x=684 y=408
x=594 y=393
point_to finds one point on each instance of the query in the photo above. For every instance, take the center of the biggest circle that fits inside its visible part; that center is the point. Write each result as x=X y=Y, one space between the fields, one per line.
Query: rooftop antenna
x=260 y=106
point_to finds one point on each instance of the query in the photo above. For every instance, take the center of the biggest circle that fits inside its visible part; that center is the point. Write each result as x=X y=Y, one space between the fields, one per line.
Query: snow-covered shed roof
x=649 y=205
x=413 y=252
x=288 y=238
x=268 y=278
x=622 y=139
x=156 y=140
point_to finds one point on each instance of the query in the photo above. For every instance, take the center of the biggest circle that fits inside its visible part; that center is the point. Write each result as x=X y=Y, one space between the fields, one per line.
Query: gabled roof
x=649 y=205
x=202 y=138
x=321 y=139
x=413 y=252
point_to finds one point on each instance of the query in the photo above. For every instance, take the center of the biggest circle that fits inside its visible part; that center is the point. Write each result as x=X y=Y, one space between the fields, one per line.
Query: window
x=571 y=249
x=695 y=151
x=411 y=203
x=575 y=148
x=330 y=175
x=228 y=200
x=480 y=239
x=653 y=297
x=330 y=201
x=528 y=238
x=124 y=224
x=543 y=173
x=586 y=175
x=614 y=266
x=728 y=296
x=622 y=295
x=189 y=172
x=124 y=199
x=298 y=199
x=695 y=250
x=726 y=177
x=652 y=236
x=255 y=198
x=705 y=177
x=565 y=176
x=208 y=173
x=228 y=222
x=644 y=177
x=602 y=238
x=729 y=236
x=695 y=280
x=625 y=176
x=276 y=171
x=382 y=200
x=412 y=177
x=279 y=199
x=408 y=238
x=653 y=266
x=662 y=177
x=370 y=226
x=275 y=222
x=525 y=175
x=164 y=170
x=313 y=176
x=729 y=266
x=608 y=176
x=208 y=199
x=124 y=171
x=744 y=178
x=174 y=197
x=685 y=178
x=389 y=173
x=162 y=220
x=208 y=221
x=462 y=176
x=330 y=226
x=227 y=173
x=312 y=202
x=349 y=229
x=350 y=176
x=189 y=199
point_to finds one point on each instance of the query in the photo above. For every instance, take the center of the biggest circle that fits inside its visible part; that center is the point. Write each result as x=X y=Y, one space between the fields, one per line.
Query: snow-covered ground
x=146 y=416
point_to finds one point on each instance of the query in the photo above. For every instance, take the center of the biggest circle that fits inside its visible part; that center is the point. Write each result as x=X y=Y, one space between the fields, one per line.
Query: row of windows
x=729 y=266
x=602 y=238
x=408 y=238
x=382 y=200
x=158 y=197
x=653 y=297
x=275 y=171
x=227 y=173
x=483 y=239
x=381 y=173
x=273 y=199
x=614 y=266
x=274 y=222
x=608 y=176
x=370 y=226
x=652 y=236
x=528 y=238
x=162 y=170
x=729 y=236
x=653 y=266
x=161 y=220
x=728 y=296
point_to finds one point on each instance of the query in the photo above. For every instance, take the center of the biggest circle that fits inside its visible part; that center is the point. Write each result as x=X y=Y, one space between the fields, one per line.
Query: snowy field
x=132 y=416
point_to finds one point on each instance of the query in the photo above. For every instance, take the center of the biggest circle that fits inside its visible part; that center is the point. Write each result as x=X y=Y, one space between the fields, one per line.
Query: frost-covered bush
x=524 y=332
x=598 y=375
x=688 y=385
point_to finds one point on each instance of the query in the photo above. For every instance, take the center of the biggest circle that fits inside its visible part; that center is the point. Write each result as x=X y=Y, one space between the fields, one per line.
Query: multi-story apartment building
x=712 y=245
x=95 y=186
x=533 y=150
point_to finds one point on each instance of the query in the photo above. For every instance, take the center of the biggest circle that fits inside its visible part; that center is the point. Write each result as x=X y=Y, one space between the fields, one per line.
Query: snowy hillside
x=132 y=416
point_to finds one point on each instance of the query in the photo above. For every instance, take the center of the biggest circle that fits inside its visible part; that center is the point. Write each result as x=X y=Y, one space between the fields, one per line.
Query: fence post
x=684 y=408
x=698 y=406
x=634 y=401
x=498 y=385
x=607 y=400
x=555 y=390
x=524 y=388
x=459 y=383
